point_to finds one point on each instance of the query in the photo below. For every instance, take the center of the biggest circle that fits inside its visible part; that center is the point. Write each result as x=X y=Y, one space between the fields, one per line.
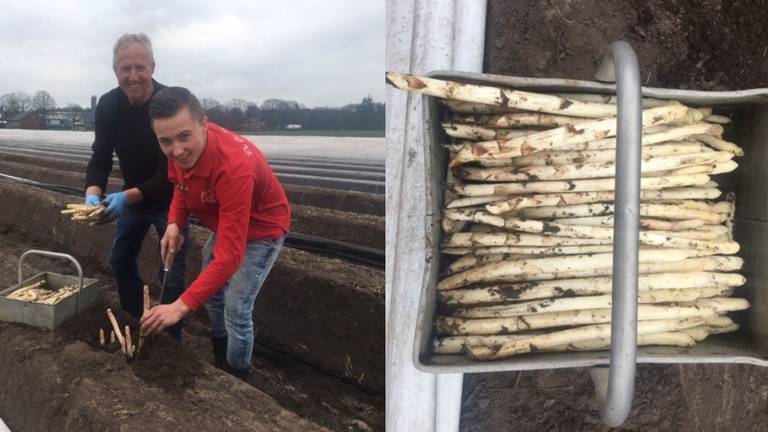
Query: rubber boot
x=243 y=374
x=220 y=352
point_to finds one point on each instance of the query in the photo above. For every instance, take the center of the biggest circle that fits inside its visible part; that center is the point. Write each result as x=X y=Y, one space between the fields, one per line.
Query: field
x=319 y=356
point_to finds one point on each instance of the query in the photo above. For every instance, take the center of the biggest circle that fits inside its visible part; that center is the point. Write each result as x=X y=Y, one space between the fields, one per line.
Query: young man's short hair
x=170 y=100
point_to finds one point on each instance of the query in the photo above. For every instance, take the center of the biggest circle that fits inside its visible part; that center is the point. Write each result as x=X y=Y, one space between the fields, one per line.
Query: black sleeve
x=157 y=189
x=100 y=165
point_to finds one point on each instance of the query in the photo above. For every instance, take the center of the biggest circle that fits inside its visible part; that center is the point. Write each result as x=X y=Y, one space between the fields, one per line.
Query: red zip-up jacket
x=232 y=191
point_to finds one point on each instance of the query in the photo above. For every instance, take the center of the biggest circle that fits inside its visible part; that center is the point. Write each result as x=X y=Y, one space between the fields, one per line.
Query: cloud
x=319 y=53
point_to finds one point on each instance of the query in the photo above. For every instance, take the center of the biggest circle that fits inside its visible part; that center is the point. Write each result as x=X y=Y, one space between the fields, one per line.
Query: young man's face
x=134 y=71
x=181 y=137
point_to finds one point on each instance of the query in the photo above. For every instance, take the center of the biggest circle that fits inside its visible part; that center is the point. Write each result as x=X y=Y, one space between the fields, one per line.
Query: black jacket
x=126 y=130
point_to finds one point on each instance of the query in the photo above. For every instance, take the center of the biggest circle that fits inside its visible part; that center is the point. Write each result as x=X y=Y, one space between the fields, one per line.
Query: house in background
x=26 y=120
x=58 y=120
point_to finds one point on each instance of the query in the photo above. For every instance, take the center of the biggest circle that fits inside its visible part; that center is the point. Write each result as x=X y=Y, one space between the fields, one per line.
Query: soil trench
x=326 y=221
x=341 y=303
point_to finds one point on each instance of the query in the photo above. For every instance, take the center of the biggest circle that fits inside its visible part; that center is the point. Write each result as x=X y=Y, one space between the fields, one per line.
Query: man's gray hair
x=130 y=38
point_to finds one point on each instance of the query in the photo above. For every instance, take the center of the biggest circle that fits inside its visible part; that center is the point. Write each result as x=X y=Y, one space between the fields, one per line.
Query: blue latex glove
x=92 y=199
x=115 y=203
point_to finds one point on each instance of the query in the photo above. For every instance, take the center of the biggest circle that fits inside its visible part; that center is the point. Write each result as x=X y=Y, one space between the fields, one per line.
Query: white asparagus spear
x=589 y=170
x=517 y=120
x=450 y=326
x=708 y=263
x=102 y=338
x=116 y=329
x=590 y=185
x=494 y=271
x=584 y=302
x=482 y=133
x=459 y=344
x=655 y=238
x=460 y=107
x=565 y=337
x=666 y=211
x=128 y=342
x=565 y=137
x=714 y=118
x=499 y=96
x=585 y=286
x=557 y=139
x=523 y=239
x=645 y=223
x=529 y=250
x=612 y=99
x=566 y=157
x=719 y=144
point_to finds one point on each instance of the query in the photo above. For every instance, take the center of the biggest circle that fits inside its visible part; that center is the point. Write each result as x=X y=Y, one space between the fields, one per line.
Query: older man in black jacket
x=123 y=127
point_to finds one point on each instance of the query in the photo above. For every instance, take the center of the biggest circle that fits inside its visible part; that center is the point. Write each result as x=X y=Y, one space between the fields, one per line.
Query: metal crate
x=749 y=109
x=45 y=315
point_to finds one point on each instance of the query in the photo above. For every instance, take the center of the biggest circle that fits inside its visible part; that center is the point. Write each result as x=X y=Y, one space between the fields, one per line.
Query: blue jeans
x=132 y=228
x=231 y=308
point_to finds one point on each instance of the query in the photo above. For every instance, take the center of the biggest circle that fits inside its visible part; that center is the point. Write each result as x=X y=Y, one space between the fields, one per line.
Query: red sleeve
x=178 y=212
x=234 y=196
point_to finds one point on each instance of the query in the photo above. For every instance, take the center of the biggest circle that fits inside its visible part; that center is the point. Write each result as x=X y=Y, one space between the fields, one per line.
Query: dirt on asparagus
x=315 y=374
x=701 y=45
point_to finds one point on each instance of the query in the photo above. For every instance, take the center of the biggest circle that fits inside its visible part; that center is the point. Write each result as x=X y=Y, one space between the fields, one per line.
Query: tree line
x=237 y=114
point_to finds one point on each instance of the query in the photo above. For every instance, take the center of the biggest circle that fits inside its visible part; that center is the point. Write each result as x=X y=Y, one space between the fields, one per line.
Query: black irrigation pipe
x=347 y=251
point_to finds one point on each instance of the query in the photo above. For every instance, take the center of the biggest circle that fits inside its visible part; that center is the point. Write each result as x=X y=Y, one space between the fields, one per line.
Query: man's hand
x=115 y=205
x=172 y=240
x=92 y=199
x=163 y=316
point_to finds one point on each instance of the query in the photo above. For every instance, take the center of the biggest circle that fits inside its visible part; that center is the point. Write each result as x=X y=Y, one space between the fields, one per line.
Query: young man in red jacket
x=224 y=181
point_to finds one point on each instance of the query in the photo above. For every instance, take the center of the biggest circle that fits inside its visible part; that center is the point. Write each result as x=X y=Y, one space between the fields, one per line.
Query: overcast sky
x=319 y=53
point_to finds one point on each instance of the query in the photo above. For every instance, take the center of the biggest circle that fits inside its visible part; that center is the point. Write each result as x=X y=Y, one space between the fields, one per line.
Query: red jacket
x=232 y=191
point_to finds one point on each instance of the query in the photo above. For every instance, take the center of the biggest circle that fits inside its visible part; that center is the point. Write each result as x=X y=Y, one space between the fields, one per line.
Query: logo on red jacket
x=207 y=197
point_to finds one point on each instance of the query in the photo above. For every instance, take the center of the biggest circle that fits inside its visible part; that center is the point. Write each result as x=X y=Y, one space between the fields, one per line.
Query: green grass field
x=325 y=133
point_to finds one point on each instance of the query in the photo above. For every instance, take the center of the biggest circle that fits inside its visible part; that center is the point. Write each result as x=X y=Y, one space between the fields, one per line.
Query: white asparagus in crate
x=588 y=170
x=585 y=302
x=590 y=185
x=551 y=289
x=664 y=211
x=490 y=272
x=517 y=120
x=563 y=199
x=499 y=96
x=566 y=157
x=532 y=217
x=573 y=268
x=570 y=138
x=459 y=344
x=447 y=325
x=481 y=133
x=579 y=334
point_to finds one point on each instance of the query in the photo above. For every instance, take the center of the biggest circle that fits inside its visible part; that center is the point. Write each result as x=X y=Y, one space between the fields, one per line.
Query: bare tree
x=279 y=104
x=24 y=100
x=42 y=101
x=14 y=103
x=209 y=104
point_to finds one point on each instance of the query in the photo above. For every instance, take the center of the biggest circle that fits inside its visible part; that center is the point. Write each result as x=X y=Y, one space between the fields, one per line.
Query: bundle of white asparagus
x=84 y=212
x=529 y=213
x=38 y=293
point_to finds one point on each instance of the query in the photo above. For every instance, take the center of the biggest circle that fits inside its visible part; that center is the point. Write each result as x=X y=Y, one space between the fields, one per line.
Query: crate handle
x=615 y=393
x=55 y=255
